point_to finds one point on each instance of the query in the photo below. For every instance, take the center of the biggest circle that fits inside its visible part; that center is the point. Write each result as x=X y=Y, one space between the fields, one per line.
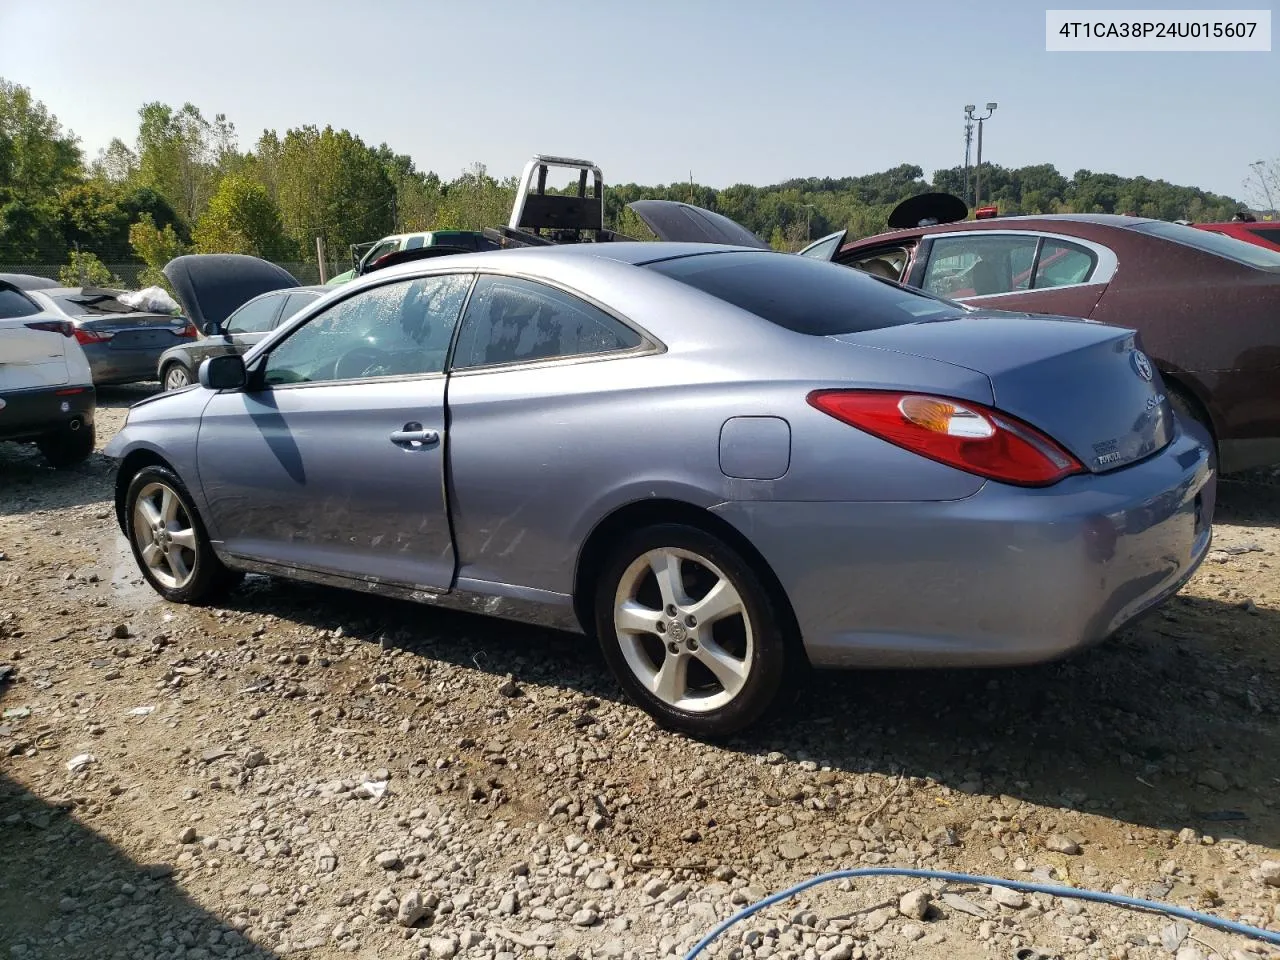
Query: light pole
x=808 y=221
x=968 y=142
x=1259 y=167
x=977 y=176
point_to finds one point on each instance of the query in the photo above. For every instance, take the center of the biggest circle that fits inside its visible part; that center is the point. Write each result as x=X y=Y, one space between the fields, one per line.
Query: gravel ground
x=306 y=771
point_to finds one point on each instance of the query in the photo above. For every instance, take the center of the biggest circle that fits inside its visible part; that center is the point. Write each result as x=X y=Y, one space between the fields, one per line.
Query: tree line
x=185 y=183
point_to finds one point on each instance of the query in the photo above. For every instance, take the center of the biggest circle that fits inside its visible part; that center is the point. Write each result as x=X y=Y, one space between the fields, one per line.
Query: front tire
x=169 y=542
x=690 y=631
x=66 y=448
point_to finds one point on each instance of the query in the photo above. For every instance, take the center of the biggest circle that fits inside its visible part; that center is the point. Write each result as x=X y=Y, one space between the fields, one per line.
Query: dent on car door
x=332 y=459
x=1027 y=272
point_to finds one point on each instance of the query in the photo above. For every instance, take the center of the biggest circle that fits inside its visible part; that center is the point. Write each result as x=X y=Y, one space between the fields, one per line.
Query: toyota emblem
x=1141 y=365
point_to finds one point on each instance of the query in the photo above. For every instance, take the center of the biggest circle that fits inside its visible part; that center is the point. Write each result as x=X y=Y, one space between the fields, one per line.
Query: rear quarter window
x=14 y=304
x=1219 y=244
x=805 y=295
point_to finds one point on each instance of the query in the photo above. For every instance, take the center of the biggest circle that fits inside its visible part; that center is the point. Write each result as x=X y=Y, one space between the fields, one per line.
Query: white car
x=46 y=388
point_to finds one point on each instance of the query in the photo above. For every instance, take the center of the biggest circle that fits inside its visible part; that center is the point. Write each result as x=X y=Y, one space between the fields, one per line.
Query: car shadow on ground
x=1173 y=723
x=65 y=891
x=1251 y=499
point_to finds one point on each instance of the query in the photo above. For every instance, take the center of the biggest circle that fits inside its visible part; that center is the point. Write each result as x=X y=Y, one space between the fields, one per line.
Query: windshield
x=1241 y=251
x=806 y=295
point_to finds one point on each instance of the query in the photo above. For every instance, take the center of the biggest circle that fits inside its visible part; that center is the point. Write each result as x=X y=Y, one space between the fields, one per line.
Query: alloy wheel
x=176 y=377
x=165 y=535
x=683 y=629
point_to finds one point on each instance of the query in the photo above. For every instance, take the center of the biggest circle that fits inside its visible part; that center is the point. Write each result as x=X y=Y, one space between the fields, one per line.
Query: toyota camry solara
x=726 y=464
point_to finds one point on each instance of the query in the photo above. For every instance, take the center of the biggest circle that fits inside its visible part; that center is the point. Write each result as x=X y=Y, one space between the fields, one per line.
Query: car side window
x=295 y=303
x=256 y=316
x=414 y=243
x=1063 y=263
x=979 y=266
x=511 y=320
x=394 y=330
x=888 y=263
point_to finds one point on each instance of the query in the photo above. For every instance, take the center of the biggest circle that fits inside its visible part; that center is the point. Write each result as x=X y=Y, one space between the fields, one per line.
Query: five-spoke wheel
x=690 y=630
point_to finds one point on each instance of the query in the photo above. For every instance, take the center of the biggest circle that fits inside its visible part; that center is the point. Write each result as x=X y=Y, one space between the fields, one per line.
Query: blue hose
x=1113 y=899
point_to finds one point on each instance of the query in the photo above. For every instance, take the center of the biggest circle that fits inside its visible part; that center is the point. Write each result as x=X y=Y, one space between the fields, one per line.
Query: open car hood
x=672 y=220
x=210 y=286
x=925 y=209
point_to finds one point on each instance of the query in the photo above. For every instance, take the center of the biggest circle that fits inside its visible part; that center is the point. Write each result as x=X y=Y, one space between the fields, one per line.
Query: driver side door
x=332 y=459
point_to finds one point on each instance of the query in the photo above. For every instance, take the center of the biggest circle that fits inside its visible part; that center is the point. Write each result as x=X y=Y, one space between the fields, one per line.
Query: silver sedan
x=726 y=464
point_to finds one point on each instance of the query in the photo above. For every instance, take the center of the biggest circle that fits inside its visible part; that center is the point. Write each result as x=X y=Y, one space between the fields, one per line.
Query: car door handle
x=413 y=435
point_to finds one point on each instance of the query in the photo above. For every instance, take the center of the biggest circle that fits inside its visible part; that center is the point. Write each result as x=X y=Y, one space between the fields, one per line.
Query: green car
x=463 y=239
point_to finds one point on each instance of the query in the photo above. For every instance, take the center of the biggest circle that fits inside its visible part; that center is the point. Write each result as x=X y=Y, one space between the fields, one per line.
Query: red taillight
x=964 y=435
x=69 y=392
x=84 y=336
x=64 y=327
x=189 y=330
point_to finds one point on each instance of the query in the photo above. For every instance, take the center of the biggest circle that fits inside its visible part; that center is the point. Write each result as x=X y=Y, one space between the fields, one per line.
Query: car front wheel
x=169 y=542
x=690 y=631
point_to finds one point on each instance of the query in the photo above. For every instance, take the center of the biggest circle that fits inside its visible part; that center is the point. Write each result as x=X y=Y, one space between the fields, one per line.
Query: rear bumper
x=28 y=414
x=123 y=366
x=1008 y=576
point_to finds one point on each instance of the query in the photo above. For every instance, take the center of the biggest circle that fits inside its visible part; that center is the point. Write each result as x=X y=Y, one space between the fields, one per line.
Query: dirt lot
x=309 y=771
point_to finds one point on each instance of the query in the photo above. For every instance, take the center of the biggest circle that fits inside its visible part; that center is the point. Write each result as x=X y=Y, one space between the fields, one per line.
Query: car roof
x=1114 y=220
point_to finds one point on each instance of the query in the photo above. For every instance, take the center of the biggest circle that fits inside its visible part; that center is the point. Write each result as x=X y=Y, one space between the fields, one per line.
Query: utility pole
x=968 y=141
x=691 y=186
x=977 y=174
x=324 y=267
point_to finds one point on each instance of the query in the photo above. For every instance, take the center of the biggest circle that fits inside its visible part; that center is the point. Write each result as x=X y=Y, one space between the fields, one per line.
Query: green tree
x=37 y=157
x=155 y=248
x=181 y=155
x=86 y=270
x=93 y=220
x=242 y=218
x=330 y=184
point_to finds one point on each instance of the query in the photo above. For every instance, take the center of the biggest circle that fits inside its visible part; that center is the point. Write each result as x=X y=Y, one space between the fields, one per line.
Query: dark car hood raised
x=672 y=220
x=211 y=286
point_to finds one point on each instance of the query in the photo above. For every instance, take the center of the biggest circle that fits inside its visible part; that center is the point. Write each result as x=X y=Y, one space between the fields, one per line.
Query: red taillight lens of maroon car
x=964 y=435
x=64 y=327
x=189 y=331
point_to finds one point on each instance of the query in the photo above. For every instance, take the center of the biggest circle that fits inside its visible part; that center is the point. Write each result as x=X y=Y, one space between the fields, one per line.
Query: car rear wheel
x=1190 y=409
x=66 y=448
x=690 y=631
x=169 y=542
x=176 y=376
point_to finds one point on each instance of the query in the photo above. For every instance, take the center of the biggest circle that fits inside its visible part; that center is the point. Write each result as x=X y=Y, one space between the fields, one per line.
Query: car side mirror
x=212 y=329
x=226 y=372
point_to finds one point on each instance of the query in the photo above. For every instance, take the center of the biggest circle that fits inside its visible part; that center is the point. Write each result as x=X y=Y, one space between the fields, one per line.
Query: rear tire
x=66 y=448
x=691 y=632
x=176 y=376
x=169 y=541
x=1190 y=408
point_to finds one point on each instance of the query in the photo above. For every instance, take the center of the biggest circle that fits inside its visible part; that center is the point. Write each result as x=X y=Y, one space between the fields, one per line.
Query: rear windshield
x=1241 y=251
x=1267 y=233
x=805 y=295
x=14 y=304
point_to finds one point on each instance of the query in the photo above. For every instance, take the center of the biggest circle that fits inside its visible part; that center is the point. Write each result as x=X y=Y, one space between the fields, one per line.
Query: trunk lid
x=31 y=358
x=671 y=220
x=1086 y=385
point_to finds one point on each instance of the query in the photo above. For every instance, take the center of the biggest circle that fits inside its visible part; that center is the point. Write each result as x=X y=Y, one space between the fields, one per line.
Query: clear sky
x=749 y=91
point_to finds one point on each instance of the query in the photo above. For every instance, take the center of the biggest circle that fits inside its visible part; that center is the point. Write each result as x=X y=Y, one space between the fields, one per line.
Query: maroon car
x=1207 y=305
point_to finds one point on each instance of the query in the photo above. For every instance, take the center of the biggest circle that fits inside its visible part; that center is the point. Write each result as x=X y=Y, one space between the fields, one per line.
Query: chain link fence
x=129 y=273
